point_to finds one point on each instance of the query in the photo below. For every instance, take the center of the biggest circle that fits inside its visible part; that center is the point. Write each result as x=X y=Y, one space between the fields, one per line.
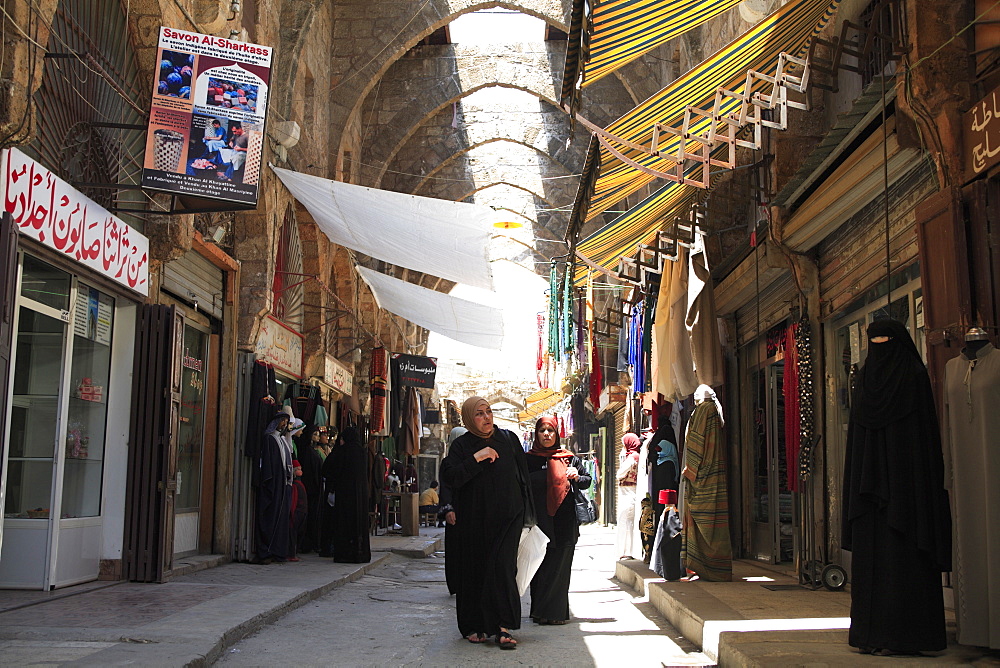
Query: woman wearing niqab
x=896 y=517
x=486 y=471
x=554 y=474
x=346 y=475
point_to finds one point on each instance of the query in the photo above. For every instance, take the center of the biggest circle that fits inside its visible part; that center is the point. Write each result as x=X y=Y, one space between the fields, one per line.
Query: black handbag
x=586 y=509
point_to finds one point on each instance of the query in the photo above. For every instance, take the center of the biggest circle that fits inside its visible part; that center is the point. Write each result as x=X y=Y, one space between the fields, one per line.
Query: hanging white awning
x=458 y=319
x=433 y=236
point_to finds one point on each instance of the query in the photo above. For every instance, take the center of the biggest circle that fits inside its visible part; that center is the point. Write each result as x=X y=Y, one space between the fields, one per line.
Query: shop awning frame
x=709 y=100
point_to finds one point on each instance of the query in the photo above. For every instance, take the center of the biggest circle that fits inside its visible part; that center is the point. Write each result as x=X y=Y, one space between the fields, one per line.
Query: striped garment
x=706 y=548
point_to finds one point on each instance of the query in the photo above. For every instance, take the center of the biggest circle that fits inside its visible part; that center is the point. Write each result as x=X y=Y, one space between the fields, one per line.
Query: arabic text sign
x=982 y=135
x=339 y=376
x=279 y=346
x=414 y=370
x=46 y=208
x=206 y=121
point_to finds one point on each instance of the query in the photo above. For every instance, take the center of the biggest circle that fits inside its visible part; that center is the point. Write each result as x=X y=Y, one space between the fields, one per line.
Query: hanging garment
x=700 y=320
x=647 y=527
x=679 y=359
x=274 y=498
x=627 y=475
x=793 y=419
x=659 y=359
x=972 y=425
x=706 y=548
x=896 y=519
x=635 y=348
x=379 y=380
x=666 y=561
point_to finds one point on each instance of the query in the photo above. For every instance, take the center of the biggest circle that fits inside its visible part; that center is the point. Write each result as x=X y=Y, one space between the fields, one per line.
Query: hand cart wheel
x=834 y=577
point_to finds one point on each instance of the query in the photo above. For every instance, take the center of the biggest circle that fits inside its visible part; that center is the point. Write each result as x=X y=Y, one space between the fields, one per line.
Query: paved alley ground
x=400 y=614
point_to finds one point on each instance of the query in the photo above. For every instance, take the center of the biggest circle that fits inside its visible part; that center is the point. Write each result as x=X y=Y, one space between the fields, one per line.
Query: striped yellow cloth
x=607 y=35
x=638 y=225
x=789 y=30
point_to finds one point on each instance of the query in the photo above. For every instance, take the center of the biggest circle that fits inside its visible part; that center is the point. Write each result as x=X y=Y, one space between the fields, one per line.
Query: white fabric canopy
x=433 y=236
x=458 y=319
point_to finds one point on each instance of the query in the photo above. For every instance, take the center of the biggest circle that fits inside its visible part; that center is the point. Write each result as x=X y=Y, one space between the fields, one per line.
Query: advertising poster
x=206 y=122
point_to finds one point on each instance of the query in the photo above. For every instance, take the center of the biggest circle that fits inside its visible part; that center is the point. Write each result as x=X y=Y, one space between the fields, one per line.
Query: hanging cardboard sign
x=206 y=122
x=414 y=370
x=279 y=346
x=54 y=213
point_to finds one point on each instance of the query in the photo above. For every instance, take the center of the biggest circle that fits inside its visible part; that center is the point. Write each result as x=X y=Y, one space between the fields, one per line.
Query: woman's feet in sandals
x=476 y=638
x=506 y=640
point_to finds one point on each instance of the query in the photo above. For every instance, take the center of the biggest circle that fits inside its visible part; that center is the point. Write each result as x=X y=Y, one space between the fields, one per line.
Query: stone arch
x=398 y=108
x=389 y=31
x=455 y=163
x=498 y=397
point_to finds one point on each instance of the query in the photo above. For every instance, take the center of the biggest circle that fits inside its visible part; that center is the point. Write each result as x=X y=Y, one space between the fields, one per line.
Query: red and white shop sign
x=46 y=208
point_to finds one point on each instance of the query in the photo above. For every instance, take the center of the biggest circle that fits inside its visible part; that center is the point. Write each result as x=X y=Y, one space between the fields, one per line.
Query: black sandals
x=510 y=643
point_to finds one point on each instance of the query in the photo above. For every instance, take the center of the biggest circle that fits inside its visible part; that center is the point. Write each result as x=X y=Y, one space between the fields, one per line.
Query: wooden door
x=152 y=465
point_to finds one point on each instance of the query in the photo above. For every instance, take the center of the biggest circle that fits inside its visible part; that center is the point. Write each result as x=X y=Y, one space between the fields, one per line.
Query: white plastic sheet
x=530 y=553
x=433 y=236
x=458 y=319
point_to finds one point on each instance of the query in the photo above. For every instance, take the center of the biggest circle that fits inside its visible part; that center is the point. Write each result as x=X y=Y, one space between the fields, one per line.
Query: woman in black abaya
x=555 y=474
x=345 y=473
x=486 y=472
x=896 y=518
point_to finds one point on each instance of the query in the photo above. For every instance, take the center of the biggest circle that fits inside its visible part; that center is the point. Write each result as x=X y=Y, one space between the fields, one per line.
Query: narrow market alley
x=401 y=614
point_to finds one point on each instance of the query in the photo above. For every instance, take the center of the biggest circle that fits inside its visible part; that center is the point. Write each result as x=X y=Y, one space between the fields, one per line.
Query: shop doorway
x=191 y=438
x=55 y=442
x=772 y=516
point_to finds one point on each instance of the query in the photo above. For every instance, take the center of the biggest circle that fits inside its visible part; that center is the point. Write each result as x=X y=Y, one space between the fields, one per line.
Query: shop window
x=93 y=322
x=191 y=431
x=43 y=283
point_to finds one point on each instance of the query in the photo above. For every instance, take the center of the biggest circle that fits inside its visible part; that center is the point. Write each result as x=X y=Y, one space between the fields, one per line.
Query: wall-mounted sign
x=982 y=135
x=414 y=370
x=279 y=346
x=206 y=122
x=46 y=208
x=339 y=376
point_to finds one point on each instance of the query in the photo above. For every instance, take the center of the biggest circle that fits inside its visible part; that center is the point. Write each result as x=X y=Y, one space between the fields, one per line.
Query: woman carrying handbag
x=555 y=475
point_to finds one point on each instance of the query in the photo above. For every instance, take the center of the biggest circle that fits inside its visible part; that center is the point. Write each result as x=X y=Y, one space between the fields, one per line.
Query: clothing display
x=274 y=494
x=700 y=320
x=345 y=476
x=706 y=548
x=972 y=463
x=896 y=519
x=626 y=477
x=490 y=505
x=647 y=527
x=312 y=481
x=666 y=561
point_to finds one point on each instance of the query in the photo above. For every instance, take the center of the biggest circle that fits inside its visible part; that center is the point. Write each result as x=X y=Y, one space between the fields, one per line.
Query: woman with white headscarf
x=706 y=549
x=488 y=475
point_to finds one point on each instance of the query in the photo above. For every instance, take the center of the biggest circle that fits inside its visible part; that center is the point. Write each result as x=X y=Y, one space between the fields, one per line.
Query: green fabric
x=706 y=549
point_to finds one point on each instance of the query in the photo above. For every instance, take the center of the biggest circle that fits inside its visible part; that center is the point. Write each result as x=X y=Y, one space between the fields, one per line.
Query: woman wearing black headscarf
x=896 y=517
x=555 y=474
x=345 y=473
x=486 y=471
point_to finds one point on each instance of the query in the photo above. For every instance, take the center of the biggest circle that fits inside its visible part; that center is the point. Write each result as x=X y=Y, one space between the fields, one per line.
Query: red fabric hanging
x=378 y=385
x=596 y=378
x=790 y=388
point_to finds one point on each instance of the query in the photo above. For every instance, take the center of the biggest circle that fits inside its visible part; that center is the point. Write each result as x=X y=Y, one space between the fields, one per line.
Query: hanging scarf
x=469 y=411
x=558 y=484
x=378 y=385
x=554 y=313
